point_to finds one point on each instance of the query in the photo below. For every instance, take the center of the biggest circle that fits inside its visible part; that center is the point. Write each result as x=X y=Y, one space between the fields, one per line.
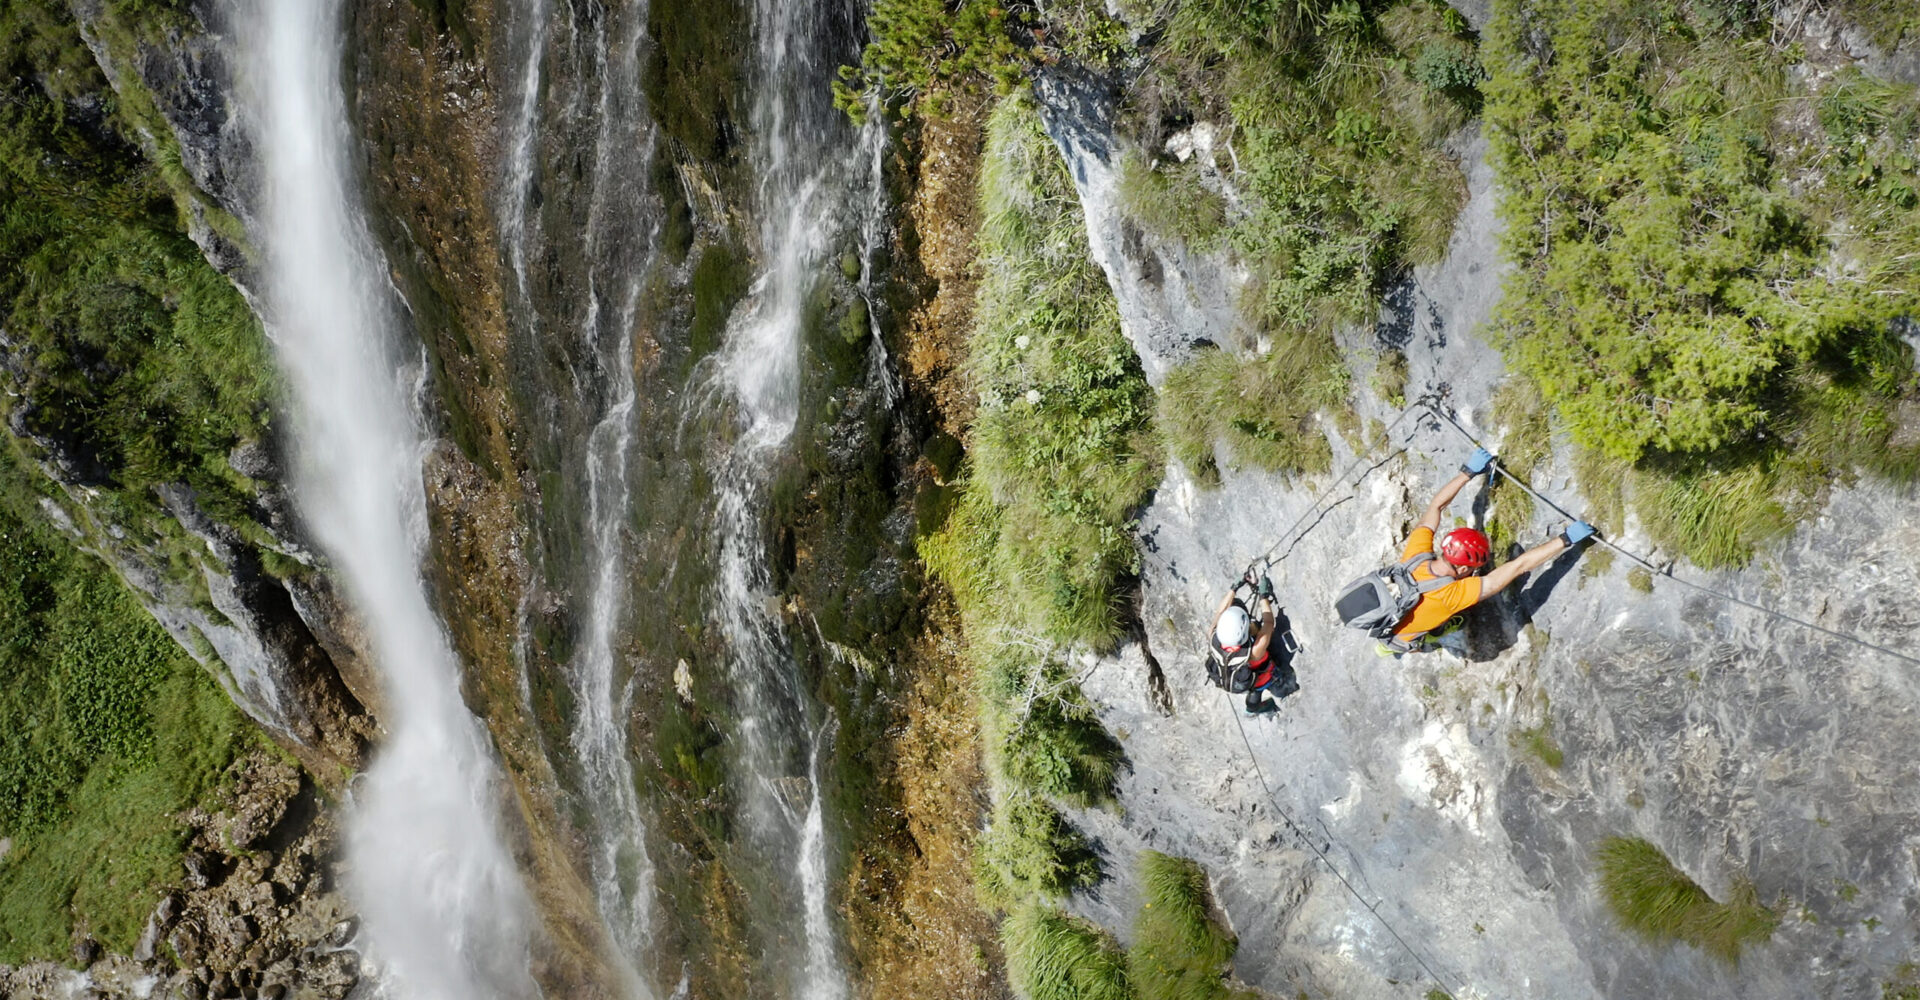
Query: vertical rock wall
x=1743 y=746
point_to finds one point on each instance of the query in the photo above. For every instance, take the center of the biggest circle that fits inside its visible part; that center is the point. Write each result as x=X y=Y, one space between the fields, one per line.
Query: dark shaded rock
x=189 y=944
x=203 y=869
x=86 y=951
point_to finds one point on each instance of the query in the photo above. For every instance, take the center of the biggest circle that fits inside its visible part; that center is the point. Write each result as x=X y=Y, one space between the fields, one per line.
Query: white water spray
x=811 y=189
x=445 y=912
x=624 y=148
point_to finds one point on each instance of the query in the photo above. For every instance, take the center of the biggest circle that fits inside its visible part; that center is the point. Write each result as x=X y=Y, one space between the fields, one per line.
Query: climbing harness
x=1291 y=536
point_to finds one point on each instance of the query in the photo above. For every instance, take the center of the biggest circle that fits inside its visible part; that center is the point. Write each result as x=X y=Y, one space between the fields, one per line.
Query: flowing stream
x=812 y=193
x=445 y=912
x=587 y=91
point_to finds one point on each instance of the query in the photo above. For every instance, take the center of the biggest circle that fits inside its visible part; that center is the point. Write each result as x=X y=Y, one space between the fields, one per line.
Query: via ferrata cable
x=1668 y=572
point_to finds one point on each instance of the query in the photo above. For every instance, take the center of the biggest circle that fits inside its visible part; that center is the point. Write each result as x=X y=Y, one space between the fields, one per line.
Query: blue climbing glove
x=1477 y=462
x=1577 y=532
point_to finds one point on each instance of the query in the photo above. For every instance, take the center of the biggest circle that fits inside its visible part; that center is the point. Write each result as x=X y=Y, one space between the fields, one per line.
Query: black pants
x=1280 y=683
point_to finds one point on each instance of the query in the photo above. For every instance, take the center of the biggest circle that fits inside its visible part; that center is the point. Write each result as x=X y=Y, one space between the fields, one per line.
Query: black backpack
x=1229 y=669
x=1378 y=602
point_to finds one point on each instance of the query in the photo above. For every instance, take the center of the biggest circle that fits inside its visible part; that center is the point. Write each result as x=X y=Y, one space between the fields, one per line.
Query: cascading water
x=811 y=190
x=623 y=874
x=445 y=912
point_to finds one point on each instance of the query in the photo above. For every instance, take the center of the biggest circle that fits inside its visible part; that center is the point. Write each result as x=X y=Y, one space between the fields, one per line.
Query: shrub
x=922 y=50
x=1029 y=851
x=1052 y=956
x=1181 y=948
x=1653 y=898
x=1677 y=301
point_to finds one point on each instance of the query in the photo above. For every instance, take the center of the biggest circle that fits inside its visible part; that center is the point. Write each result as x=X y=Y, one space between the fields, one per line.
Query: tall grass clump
x=1651 y=897
x=124 y=345
x=1053 y=956
x=1181 y=948
x=1689 y=306
x=1258 y=412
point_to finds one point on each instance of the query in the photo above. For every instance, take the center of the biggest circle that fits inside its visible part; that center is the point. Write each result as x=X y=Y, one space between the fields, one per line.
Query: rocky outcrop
x=255 y=912
x=264 y=636
x=1743 y=746
x=174 y=75
x=1172 y=300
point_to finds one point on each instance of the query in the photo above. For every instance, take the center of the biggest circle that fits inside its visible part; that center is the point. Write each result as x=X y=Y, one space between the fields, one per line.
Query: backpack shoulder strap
x=1430 y=584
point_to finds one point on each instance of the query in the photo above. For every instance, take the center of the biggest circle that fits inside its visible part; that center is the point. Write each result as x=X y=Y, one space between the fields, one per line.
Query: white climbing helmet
x=1233 y=627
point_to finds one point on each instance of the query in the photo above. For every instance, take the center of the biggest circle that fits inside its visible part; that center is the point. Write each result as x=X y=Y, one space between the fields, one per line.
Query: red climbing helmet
x=1466 y=548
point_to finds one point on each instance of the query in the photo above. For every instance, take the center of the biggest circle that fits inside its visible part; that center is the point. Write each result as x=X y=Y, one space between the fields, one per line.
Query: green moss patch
x=108 y=733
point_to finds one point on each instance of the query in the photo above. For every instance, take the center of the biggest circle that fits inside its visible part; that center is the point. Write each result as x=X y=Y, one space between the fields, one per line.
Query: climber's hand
x=1477 y=462
x=1577 y=532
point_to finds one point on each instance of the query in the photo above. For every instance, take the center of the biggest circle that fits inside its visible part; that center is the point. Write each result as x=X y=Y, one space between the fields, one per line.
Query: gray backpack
x=1378 y=602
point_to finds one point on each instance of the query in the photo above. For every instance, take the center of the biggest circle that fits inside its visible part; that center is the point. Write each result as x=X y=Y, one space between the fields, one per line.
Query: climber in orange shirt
x=1463 y=552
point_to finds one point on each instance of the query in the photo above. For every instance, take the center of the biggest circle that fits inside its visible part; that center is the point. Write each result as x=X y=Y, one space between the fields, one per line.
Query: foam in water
x=445 y=913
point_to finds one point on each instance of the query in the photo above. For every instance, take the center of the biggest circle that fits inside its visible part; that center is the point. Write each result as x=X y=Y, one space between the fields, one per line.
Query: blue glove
x=1577 y=532
x=1477 y=462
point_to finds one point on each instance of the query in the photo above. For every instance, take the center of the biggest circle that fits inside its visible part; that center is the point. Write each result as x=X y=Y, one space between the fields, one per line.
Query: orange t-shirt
x=1436 y=606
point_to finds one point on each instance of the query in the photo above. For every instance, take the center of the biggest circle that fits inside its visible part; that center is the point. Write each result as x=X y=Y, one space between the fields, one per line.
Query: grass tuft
x=1181 y=947
x=1651 y=897
x=1052 y=956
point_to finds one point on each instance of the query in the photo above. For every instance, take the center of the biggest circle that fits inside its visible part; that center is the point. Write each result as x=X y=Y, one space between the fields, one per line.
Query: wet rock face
x=1743 y=746
x=257 y=913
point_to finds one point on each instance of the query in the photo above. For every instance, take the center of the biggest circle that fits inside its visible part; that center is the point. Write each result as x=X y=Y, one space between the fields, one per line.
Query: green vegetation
x=1330 y=119
x=1261 y=410
x=1329 y=138
x=1181 y=949
x=1036 y=547
x=925 y=51
x=129 y=351
x=1537 y=741
x=1052 y=956
x=108 y=732
x=1062 y=449
x=1653 y=898
x=1029 y=851
x=1706 y=282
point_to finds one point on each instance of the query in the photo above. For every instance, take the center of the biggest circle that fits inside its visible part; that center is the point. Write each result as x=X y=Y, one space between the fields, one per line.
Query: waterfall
x=623 y=874
x=445 y=912
x=594 y=79
x=812 y=189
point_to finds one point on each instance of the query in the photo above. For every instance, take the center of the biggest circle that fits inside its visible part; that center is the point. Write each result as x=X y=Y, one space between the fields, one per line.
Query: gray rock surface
x=1170 y=298
x=1741 y=745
